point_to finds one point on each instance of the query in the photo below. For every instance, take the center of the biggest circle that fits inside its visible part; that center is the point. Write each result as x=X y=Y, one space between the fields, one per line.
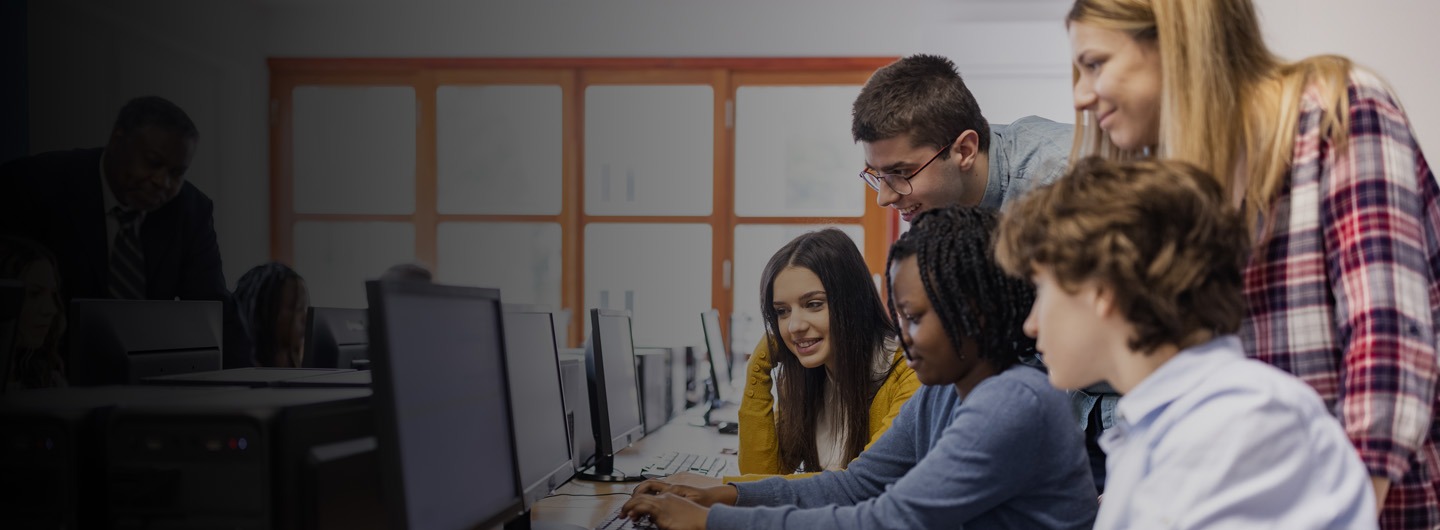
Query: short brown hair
x=1159 y=234
x=920 y=95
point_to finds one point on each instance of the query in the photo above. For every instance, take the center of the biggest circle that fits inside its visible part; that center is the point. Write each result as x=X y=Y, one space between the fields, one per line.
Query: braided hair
x=258 y=295
x=973 y=297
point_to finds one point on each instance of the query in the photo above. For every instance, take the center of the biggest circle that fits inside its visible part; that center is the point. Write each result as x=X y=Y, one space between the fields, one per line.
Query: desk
x=680 y=435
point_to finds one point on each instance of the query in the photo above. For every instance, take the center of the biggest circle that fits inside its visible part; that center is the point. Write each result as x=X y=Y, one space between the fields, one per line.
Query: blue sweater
x=1009 y=456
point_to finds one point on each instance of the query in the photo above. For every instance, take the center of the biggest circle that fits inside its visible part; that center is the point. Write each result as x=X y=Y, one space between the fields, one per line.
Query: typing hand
x=666 y=510
x=706 y=497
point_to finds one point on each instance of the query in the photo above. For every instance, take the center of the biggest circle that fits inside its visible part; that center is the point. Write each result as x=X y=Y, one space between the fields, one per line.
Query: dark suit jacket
x=56 y=199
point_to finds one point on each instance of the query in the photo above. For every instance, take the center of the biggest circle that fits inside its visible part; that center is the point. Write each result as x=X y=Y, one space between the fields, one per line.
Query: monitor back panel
x=125 y=341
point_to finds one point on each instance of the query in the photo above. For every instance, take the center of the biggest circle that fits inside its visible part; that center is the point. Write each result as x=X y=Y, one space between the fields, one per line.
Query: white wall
x=1013 y=53
x=1395 y=38
x=88 y=57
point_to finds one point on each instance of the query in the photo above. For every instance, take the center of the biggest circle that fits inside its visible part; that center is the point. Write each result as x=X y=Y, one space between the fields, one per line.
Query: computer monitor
x=655 y=386
x=577 y=405
x=442 y=404
x=536 y=395
x=615 y=412
x=335 y=338
x=718 y=357
x=12 y=299
x=124 y=341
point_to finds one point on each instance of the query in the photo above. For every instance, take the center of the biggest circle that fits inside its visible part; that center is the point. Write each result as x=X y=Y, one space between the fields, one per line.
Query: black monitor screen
x=540 y=436
x=719 y=361
x=622 y=387
x=440 y=389
x=577 y=403
x=335 y=337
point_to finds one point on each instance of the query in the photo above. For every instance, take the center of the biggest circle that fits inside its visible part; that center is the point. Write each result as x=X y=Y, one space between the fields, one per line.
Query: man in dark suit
x=122 y=220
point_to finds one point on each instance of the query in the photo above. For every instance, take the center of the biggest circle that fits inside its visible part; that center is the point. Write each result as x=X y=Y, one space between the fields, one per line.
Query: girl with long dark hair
x=35 y=348
x=836 y=367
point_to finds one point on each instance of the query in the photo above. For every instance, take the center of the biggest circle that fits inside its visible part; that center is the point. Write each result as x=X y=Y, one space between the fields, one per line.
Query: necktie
x=127 y=262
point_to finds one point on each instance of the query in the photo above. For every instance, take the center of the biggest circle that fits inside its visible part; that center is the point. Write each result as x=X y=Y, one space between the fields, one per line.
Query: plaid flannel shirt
x=1343 y=293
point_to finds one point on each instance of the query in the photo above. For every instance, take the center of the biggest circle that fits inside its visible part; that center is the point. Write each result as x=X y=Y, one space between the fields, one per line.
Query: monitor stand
x=604 y=471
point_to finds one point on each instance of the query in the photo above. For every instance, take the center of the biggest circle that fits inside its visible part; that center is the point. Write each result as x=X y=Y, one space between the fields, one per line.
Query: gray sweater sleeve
x=970 y=471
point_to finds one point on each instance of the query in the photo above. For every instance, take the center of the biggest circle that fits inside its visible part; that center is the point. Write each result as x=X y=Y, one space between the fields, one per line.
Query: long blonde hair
x=1228 y=105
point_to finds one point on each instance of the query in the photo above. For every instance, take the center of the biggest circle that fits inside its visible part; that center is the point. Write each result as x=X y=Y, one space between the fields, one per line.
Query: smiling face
x=145 y=167
x=803 y=316
x=1119 y=82
x=942 y=183
x=928 y=350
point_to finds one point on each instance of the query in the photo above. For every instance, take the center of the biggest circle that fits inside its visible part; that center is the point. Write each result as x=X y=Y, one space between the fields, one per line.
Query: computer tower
x=655 y=386
x=229 y=460
x=52 y=465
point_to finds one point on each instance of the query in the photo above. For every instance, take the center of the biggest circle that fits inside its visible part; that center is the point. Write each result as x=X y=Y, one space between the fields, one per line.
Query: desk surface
x=681 y=435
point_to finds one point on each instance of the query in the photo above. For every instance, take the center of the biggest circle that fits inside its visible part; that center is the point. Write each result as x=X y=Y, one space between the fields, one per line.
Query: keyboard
x=672 y=462
x=615 y=522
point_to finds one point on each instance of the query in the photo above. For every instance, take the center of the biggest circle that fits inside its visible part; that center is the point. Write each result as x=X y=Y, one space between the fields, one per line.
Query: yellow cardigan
x=759 y=445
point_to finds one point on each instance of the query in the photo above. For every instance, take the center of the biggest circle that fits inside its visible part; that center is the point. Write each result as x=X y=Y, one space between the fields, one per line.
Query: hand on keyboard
x=666 y=511
x=705 y=497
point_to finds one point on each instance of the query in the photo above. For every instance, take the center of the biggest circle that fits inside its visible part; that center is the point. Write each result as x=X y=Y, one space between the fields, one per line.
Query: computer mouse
x=726 y=427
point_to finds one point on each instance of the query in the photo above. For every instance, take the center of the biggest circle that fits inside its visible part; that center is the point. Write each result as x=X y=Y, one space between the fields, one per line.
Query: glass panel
x=794 y=155
x=354 y=150
x=754 y=246
x=649 y=150
x=521 y=259
x=498 y=149
x=337 y=258
x=660 y=272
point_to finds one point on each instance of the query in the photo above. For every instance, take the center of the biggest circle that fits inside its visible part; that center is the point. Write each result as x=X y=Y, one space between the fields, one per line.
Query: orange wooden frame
x=573 y=76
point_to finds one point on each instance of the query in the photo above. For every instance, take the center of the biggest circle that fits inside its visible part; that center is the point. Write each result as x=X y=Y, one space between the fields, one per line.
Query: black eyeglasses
x=899 y=183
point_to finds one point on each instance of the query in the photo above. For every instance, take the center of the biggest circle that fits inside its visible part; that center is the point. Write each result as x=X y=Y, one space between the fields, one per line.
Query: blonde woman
x=1341 y=286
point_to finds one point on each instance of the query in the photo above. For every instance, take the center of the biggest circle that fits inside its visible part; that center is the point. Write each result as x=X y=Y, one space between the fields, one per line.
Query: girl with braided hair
x=273 y=300
x=986 y=443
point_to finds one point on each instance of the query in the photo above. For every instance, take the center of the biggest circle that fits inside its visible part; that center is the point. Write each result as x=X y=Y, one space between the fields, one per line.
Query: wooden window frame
x=573 y=75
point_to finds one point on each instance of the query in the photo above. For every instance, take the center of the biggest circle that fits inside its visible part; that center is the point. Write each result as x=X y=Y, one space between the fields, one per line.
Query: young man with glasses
x=928 y=146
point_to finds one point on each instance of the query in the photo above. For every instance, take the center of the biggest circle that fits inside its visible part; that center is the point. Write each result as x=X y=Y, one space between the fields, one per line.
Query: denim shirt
x=1029 y=151
x=1100 y=395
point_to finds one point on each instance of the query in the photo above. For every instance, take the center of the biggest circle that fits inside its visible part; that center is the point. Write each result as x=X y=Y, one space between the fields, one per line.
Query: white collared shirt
x=1215 y=440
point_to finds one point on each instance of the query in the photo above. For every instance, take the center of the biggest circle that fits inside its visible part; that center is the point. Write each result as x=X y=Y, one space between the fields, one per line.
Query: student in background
x=1137 y=272
x=1343 y=285
x=35 y=356
x=986 y=443
x=841 y=378
x=273 y=301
